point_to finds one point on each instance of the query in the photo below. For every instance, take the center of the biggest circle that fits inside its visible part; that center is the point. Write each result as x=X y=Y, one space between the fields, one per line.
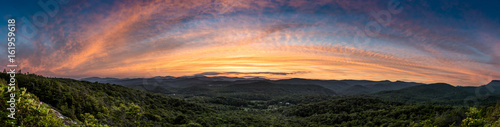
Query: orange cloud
x=241 y=38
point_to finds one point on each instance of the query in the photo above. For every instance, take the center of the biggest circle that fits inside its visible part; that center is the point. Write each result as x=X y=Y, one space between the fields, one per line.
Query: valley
x=225 y=101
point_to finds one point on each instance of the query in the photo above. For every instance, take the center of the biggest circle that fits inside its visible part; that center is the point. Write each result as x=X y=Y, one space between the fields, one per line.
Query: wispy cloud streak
x=427 y=42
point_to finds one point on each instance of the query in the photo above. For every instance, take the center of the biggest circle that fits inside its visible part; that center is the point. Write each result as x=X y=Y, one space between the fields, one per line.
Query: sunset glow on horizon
x=274 y=39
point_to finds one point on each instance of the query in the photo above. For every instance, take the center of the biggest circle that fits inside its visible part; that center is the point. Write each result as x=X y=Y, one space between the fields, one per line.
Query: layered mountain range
x=335 y=87
x=409 y=92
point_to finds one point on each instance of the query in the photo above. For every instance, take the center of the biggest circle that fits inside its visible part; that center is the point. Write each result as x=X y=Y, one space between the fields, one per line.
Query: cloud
x=266 y=38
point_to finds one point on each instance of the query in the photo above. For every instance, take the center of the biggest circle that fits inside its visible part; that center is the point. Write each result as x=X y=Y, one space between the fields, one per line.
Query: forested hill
x=247 y=103
x=444 y=94
x=109 y=104
x=174 y=85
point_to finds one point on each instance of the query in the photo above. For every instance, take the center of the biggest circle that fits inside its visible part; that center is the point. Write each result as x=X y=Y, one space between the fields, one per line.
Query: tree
x=474 y=118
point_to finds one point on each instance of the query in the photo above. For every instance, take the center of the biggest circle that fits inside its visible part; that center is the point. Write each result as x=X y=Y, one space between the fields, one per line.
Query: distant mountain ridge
x=171 y=84
x=442 y=93
x=408 y=92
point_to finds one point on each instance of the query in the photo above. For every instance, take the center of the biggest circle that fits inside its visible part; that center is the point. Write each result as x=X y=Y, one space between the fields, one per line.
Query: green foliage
x=449 y=118
x=229 y=101
x=438 y=93
x=90 y=120
x=100 y=105
x=108 y=104
x=369 y=112
x=474 y=118
x=29 y=111
x=487 y=116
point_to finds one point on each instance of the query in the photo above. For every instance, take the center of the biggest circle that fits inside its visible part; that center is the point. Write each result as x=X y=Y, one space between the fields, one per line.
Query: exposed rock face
x=66 y=120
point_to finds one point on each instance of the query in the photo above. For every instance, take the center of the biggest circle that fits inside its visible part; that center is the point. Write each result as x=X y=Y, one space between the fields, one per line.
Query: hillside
x=171 y=85
x=439 y=93
x=241 y=102
x=373 y=112
x=272 y=89
x=30 y=111
x=112 y=105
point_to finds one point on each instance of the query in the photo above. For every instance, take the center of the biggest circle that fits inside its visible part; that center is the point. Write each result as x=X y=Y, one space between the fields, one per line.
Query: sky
x=426 y=41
